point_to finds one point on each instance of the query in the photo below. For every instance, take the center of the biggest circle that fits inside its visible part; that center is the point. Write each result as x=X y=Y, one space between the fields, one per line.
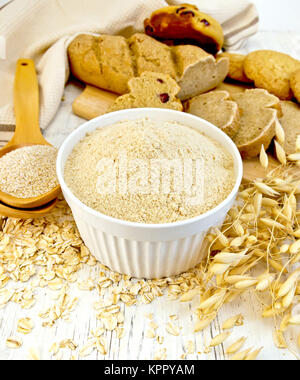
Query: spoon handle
x=26 y=104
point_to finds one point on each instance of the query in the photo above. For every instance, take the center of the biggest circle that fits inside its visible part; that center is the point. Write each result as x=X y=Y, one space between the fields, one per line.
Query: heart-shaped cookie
x=217 y=108
x=259 y=111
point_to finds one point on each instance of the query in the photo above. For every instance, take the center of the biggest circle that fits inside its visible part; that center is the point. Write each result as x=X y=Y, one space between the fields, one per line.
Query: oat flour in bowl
x=152 y=172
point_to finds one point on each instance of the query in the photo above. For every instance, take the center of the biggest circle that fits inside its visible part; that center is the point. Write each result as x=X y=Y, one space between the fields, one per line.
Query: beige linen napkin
x=42 y=30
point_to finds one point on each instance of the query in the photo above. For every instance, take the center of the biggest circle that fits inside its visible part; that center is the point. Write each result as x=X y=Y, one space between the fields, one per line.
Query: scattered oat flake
x=14 y=342
x=120 y=332
x=54 y=348
x=98 y=332
x=25 y=325
x=153 y=325
x=87 y=285
x=172 y=329
x=135 y=289
x=68 y=343
x=87 y=349
x=101 y=345
x=150 y=333
x=110 y=323
x=55 y=284
x=189 y=347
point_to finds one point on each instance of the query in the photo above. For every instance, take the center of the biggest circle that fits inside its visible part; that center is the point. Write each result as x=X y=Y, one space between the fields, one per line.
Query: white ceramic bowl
x=147 y=250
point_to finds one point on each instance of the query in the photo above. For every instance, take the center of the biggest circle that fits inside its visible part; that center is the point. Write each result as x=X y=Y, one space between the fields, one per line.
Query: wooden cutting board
x=93 y=102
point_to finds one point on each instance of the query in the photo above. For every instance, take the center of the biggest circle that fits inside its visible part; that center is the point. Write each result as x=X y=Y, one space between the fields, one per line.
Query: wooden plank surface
x=135 y=345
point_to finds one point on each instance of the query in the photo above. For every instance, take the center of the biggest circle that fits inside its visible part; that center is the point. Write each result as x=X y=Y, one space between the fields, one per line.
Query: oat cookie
x=150 y=90
x=217 y=108
x=185 y=24
x=272 y=71
x=236 y=67
x=259 y=112
x=295 y=84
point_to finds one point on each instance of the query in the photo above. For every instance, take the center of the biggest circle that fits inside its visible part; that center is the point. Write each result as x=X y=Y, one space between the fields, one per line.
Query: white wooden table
x=134 y=345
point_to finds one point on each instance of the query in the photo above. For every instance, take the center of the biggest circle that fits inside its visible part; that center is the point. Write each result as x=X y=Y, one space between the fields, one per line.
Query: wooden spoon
x=19 y=213
x=26 y=102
